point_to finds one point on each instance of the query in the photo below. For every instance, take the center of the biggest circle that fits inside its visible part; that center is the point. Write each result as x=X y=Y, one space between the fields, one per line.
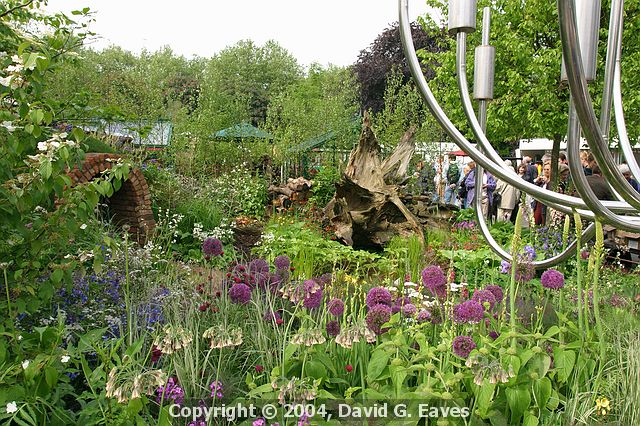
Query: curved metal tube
x=479 y=172
x=584 y=107
x=623 y=136
x=476 y=126
x=580 y=180
x=508 y=176
x=613 y=43
x=574 y=151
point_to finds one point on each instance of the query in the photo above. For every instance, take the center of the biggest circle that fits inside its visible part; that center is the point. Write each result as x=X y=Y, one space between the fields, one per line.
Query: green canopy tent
x=242 y=131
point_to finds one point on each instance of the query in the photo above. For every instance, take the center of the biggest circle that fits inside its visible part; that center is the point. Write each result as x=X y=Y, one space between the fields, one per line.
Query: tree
x=403 y=109
x=241 y=81
x=325 y=100
x=375 y=63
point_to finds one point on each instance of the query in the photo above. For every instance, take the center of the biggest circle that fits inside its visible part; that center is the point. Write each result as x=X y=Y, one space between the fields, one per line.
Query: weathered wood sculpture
x=366 y=210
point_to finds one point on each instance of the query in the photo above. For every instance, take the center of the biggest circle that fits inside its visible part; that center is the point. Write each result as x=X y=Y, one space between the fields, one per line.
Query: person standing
x=544 y=181
x=509 y=196
x=531 y=172
x=453 y=176
x=486 y=191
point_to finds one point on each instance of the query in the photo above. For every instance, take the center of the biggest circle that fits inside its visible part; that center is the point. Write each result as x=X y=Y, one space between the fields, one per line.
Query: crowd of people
x=447 y=182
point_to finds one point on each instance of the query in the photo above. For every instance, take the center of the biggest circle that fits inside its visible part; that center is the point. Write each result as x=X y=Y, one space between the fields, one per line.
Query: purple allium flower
x=333 y=328
x=498 y=294
x=212 y=247
x=324 y=279
x=259 y=422
x=282 y=262
x=313 y=300
x=423 y=316
x=435 y=281
x=240 y=294
x=552 y=279
x=494 y=335
x=484 y=296
x=335 y=307
x=216 y=389
x=463 y=345
x=378 y=296
x=377 y=316
x=505 y=267
x=171 y=391
x=470 y=312
x=409 y=310
x=259 y=266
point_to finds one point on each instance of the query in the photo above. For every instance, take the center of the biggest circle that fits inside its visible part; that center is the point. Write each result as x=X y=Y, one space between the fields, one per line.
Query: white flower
x=83 y=226
x=15 y=68
x=65 y=359
x=16 y=59
x=25 y=364
x=19 y=337
x=8 y=125
x=12 y=407
x=42 y=146
x=5 y=81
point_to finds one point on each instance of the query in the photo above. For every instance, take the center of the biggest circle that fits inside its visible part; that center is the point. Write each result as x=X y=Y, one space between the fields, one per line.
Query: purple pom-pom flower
x=469 y=312
x=552 y=279
x=335 y=307
x=378 y=296
x=240 y=294
x=463 y=345
x=212 y=247
x=377 y=316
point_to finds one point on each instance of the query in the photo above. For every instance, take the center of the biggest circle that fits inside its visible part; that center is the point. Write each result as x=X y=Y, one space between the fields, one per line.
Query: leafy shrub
x=323 y=187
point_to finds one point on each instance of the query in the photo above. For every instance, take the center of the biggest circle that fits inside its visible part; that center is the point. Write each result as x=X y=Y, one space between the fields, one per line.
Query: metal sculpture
x=579 y=26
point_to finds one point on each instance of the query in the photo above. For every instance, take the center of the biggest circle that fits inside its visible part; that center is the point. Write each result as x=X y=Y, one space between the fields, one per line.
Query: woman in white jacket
x=509 y=197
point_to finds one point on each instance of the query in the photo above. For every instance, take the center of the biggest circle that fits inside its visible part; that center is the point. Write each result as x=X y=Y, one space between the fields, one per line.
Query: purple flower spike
x=463 y=345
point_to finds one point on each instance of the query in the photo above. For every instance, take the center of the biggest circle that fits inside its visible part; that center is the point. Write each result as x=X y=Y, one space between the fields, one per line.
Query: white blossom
x=25 y=364
x=8 y=125
x=83 y=226
x=65 y=359
x=12 y=407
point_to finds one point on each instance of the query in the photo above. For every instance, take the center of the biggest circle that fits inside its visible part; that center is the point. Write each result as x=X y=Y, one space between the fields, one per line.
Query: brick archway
x=131 y=204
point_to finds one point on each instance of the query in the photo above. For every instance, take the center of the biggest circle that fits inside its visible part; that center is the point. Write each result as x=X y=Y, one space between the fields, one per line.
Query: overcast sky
x=323 y=31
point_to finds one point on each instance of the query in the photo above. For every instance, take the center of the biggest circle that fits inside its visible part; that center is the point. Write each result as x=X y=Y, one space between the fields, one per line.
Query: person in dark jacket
x=599 y=185
x=626 y=172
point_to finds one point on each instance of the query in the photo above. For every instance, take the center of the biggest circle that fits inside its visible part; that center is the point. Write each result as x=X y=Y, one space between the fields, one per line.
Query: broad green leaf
x=564 y=361
x=315 y=369
x=518 y=399
x=51 y=376
x=542 y=391
x=377 y=363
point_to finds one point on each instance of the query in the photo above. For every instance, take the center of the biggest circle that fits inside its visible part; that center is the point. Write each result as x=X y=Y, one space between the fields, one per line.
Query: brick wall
x=131 y=204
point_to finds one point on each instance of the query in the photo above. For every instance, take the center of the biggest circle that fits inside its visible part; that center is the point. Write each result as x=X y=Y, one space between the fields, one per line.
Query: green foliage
x=309 y=251
x=403 y=109
x=324 y=188
x=325 y=100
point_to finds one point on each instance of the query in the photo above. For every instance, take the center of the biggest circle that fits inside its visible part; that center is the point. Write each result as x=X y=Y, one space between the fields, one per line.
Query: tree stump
x=366 y=210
